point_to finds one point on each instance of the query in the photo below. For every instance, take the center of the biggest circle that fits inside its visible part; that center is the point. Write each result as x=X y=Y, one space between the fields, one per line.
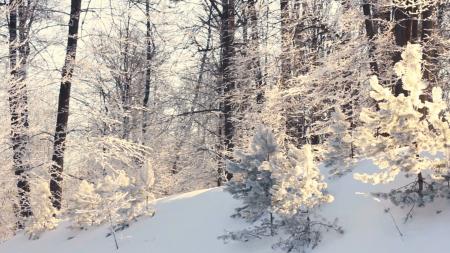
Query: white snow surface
x=191 y=222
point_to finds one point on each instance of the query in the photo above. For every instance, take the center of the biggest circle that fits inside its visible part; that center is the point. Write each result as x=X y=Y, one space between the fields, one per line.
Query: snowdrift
x=191 y=222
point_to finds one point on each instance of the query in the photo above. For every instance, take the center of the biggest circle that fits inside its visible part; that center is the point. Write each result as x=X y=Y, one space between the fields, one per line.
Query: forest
x=109 y=106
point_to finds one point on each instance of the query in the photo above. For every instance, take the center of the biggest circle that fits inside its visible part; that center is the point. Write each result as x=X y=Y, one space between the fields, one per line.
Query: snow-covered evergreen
x=117 y=199
x=407 y=134
x=298 y=190
x=340 y=148
x=254 y=170
x=280 y=191
x=298 y=186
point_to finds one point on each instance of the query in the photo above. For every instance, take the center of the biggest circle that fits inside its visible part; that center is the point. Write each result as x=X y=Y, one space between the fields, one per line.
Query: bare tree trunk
x=371 y=31
x=18 y=102
x=255 y=61
x=228 y=84
x=63 y=106
x=126 y=83
x=429 y=52
x=285 y=43
x=147 y=70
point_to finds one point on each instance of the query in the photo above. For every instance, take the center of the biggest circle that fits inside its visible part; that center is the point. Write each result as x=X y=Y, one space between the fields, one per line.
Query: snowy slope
x=190 y=223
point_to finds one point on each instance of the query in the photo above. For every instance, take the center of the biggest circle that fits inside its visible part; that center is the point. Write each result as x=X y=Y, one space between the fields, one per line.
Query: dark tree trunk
x=18 y=103
x=402 y=34
x=228 y=84
x=63 y=106
x=420 y=183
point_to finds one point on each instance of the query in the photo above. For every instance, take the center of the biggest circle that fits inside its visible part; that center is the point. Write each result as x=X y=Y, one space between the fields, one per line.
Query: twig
x=113 y=232
x=409 y=213
x=395 y=223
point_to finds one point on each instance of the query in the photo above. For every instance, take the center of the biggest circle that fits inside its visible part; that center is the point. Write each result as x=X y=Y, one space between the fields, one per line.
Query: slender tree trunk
x=18 y=104
x=126 y=84
x=228 y=84
x=371 y=31
x=285 y=43
x=63 y=106
x=255 y=61
x=429 y=52
x=148 y=58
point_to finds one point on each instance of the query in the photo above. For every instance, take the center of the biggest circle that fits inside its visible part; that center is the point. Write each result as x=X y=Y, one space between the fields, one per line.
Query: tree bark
x=255 y=61
x=285 y=43
x=371 y=31
x=18 y=103
x=63 y=106
x=227 y=84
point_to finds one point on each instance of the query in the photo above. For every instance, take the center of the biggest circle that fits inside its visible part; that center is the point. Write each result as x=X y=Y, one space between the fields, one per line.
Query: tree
x=340 y=149
x=299 y=186
x=256 y=171
x=280 y=191
x=227 y=84
x=20 y=20
x=148 y=57
x=298 y=190
x=116 y=199
x=392 y=27
x=63 y=106
x=407 y=133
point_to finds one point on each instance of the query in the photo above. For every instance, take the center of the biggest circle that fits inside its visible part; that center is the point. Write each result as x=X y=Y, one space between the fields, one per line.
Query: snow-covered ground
x=191 y=222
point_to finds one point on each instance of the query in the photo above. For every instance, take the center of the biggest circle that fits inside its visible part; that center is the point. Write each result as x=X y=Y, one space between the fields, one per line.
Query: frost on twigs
x=44 y=214
x=255 y=169
x=304 y=233
x=298 y=190
x=299 y=185
x=407 y=134
x=280 y=191
x=117 y=199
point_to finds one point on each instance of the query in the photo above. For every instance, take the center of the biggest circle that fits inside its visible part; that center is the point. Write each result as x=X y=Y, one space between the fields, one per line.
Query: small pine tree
x=141 y=192
x=298 y=186
x=254 y=170
x=339 y=149
x=43 y=218
x=406 y=134
x=285 y=187
x=298 y=190
x=86 y=201
x=116 y=199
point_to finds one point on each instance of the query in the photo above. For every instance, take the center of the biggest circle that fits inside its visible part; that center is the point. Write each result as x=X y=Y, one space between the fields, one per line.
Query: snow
x=191 y=222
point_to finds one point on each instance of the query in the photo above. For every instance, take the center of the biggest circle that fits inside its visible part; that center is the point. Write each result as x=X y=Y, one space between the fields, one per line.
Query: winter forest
x=269 y=124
